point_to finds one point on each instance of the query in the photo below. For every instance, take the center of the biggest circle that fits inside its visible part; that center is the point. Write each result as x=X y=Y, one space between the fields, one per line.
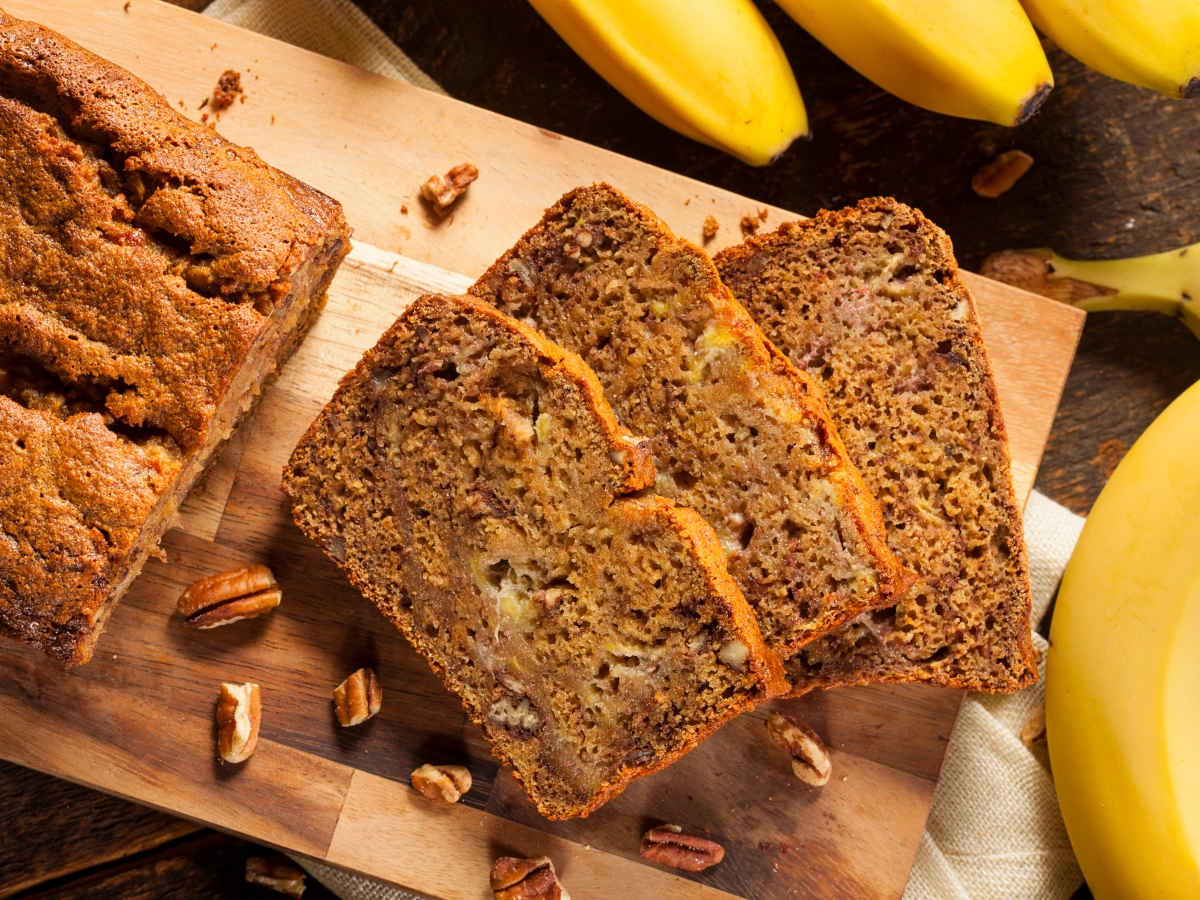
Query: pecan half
x=357 y=698
x=444 y=784
x=526 y=879
x=998 y=176
x=277 y=873
x=667 y=845
x=239 y=712
x=810 y=757
x=442 y=190
x=229 y=597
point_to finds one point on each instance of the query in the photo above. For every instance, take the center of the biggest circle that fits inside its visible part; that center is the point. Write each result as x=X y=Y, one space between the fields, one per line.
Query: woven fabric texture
x=335 y=28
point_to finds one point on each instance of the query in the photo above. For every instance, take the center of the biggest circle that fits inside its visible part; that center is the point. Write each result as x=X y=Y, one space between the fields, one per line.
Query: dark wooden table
x=1116 y=173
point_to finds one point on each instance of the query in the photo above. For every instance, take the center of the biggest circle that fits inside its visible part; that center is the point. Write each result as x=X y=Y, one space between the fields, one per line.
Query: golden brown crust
x=869 y=298
x=739 y=434
x=364 y=487
x=154 y=274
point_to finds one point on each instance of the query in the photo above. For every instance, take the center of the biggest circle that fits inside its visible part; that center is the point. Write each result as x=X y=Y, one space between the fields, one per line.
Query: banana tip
x=1033 y=103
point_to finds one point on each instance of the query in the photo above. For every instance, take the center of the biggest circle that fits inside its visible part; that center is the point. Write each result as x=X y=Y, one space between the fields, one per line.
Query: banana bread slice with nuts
x=868 y=300
x=154 y=275
x=737 y=433
x=468 y=476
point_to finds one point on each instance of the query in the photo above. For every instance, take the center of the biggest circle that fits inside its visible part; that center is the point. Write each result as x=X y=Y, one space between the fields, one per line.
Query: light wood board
x=137 y=721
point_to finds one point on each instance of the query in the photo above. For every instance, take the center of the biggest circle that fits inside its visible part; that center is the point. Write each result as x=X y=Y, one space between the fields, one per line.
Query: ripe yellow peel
x=979 y=59
x=1166 y=282
x=1154 y=43
x=1123 y=674
x=710 y=69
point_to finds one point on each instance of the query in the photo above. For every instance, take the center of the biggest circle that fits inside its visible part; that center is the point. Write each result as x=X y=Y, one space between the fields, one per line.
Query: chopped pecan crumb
x=357 y=698
x=669 y=846
x=404 y=209
x=229 y=85
x=276 y=872
x=762 y=214
x=444 y=784
x=442 y=190
x=229 y=597
x=526 y=879
x=749 y=225
x=711 y=227
x=1034 y=729
x=239 y=712
x=810 y=758
x=1001 y=173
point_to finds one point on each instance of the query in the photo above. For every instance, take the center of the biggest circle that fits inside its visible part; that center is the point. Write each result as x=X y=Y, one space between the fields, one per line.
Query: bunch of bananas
x=713 y=69
x=1123 y=674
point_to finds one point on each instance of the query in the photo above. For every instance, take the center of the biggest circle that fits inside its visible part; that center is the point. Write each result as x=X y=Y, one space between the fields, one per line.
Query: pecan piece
x=277 y=873
x=1001 y=173
x=810 y=757
x=442 y=190
x=229 y=597
x=239 y=712
x=667 y=845
x=1034 y=729
x=711 y=227
x=357 y=698
x=444 y=784
x=526 y=879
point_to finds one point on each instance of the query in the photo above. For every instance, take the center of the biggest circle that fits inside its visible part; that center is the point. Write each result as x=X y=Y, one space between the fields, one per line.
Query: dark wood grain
x=53 y=829
x=208 y=867
x=1115 y=166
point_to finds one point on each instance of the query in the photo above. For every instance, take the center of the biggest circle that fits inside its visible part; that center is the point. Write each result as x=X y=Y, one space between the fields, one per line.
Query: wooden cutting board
x=137 y=721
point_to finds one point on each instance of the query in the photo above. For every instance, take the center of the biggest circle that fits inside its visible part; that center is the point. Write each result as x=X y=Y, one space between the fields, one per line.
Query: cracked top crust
x=144 y=264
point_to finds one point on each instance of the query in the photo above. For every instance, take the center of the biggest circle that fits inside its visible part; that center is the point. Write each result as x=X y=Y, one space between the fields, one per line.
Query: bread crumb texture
x=737 y=433
x=473 y=483
x=869 y=302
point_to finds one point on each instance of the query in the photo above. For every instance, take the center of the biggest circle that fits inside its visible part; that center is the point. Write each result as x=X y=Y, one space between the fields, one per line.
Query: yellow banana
x=1164 y=282
x=1123 y=674
x=1154 y=43
x=710 y=69
x=979 y=59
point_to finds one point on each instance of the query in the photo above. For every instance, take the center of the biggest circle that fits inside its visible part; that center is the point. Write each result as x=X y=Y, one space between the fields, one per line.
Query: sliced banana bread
x=467 y=476
x=868 y=300
x=737 y=433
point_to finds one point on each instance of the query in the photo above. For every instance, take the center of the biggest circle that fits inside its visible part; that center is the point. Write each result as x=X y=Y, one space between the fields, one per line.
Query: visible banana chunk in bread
x=868 y=300
x=468 y=476
x=737 y=433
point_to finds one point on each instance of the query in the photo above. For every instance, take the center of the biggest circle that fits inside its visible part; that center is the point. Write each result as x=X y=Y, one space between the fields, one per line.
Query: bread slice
x=154 y=276
x=468 y=476
x=868 y=300
x=737 y=433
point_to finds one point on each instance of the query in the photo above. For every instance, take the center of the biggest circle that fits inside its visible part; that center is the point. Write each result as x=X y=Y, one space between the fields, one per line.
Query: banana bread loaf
x=467 y=475
x=154 y=274
x=737 y=433
x=868 y=300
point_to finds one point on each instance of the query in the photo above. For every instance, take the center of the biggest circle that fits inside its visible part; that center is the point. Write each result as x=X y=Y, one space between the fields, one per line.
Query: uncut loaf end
x=868 y=300
x=154 y=276
x=472 y=482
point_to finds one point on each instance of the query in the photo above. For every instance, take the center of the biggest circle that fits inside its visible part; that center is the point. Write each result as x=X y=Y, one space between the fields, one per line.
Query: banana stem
x=1167 y=282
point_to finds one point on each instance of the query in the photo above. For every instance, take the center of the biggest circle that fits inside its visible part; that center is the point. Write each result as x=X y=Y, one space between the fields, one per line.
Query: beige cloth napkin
x=994 y=832
x=334 y=28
